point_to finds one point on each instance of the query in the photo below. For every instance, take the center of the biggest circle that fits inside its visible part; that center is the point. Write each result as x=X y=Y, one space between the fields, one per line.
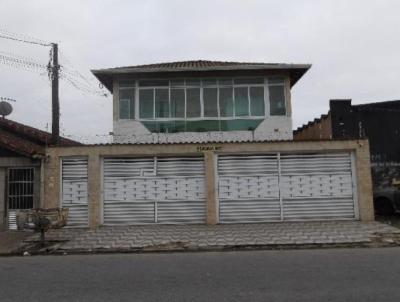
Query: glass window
x=124 y=109
x=249 y=81
x=277 y=100
x=209 y=82
x=161 y=101
x=177 y=83
x=127 y=103
x=241 y=101
x=257 y=104
x=210 y=99
x=193 y=107
x=276 y=81
x=178 y=103
x=126 y=83
x=193 y=82
x=225 y=82
x=242 y=124
x=150 y=83
x=225 y=102
x=146 y=104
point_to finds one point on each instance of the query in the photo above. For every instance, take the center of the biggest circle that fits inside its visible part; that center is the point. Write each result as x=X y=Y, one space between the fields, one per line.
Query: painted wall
x=95 y=153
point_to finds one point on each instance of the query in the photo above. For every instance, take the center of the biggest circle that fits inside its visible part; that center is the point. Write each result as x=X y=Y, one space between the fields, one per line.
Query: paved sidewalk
x=203 y=237
x=11 y=241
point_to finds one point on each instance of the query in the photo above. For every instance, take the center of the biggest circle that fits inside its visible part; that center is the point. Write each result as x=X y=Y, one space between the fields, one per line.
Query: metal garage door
x=153 y=190
x=277 y=187
x=248 y=188
x=317 y=186
x=74 y=193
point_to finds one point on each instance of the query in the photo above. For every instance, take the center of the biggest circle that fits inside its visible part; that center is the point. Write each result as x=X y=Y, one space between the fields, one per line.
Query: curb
x=57 y=250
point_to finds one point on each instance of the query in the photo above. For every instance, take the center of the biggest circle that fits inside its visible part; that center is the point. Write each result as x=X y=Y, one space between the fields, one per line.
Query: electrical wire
x=5 y=34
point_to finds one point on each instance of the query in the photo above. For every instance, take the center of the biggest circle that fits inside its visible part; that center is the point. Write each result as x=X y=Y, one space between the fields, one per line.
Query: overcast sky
x=354 y=47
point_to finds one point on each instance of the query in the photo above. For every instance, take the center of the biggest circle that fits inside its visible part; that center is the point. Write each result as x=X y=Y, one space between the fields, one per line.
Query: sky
x=353 y=46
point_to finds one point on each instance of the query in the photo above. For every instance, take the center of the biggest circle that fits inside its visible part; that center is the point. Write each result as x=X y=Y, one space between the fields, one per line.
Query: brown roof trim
x=32 y=134
x=23 y=147
x=26 y=140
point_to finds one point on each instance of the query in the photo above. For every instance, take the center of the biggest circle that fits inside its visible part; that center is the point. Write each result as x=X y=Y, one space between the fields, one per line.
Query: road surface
x=296 y=275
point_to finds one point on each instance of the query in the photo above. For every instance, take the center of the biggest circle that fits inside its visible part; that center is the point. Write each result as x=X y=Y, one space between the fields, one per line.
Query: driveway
x=333 y=275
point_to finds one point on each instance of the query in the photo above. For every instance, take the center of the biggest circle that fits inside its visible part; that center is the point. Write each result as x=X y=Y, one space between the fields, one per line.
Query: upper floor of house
x=200 y=101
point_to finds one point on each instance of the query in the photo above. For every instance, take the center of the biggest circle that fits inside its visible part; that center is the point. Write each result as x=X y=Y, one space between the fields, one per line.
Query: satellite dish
x=5 y=108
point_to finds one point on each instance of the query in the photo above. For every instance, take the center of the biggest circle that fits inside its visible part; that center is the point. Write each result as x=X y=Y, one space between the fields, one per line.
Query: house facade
x=207 y=142
x=22 y=153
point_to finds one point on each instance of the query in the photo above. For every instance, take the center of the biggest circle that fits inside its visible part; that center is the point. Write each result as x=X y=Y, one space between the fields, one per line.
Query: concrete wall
x=316 y=130
x=360 y=148
x=14 y=162
x=272 y=128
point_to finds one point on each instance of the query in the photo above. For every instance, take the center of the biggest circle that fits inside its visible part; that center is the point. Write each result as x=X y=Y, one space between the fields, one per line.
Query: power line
x=5 y=34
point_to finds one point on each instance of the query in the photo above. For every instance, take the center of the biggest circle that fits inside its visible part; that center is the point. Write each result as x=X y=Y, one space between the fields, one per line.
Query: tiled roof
x=203 y=65
x=26 y=140
x=198 y=66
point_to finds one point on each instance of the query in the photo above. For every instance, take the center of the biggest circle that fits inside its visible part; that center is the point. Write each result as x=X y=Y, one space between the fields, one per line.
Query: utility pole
x=55 y=102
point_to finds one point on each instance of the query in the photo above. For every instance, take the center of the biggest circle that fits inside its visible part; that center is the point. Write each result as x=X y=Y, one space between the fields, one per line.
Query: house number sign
x=208 y=148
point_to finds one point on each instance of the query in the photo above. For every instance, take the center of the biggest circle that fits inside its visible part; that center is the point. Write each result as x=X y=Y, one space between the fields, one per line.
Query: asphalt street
x=291 y=275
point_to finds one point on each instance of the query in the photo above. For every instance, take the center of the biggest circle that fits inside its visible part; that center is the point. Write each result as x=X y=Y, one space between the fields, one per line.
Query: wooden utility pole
x=55 y=68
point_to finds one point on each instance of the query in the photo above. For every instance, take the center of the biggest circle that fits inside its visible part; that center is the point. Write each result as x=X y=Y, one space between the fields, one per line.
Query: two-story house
x=207 y=142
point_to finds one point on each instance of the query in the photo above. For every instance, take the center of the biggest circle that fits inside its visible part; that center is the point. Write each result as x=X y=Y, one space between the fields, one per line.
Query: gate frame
x=278 y=154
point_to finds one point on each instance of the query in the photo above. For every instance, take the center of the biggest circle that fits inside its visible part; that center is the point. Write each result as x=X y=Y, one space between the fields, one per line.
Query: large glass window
x=277 y=99
x=208 y=104
x=161 y=101
x=210 y=99
x=146 y=103
x=257 y=103
x=177 y=103
x=193 y=106
x=242 y=101
x=127 y=103
x=226 y=102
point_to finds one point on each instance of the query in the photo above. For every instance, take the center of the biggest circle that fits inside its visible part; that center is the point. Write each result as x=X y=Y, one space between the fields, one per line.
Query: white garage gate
x=165 y=190
x=74 y=190
x=277 y=187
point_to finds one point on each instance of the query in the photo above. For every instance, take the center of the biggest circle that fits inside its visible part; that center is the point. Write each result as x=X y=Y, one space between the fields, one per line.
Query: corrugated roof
x=105 y=75
x=26 y=140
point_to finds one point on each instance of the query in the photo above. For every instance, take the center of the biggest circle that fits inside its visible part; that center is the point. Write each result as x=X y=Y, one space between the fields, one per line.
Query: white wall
x=272 y=128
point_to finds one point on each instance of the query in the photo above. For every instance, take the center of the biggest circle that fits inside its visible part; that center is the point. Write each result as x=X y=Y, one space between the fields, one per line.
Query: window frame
x=185 y=85
x=135 y=97
x=280 y=84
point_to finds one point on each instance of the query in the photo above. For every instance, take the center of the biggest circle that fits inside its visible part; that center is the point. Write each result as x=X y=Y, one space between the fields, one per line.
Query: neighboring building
x=380 y=123
x=207 y=142
x=200 y=101
x=22 y=151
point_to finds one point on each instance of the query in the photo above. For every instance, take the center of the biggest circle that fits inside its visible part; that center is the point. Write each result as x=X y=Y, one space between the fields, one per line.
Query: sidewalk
x=220 y=237
x=11 y=241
